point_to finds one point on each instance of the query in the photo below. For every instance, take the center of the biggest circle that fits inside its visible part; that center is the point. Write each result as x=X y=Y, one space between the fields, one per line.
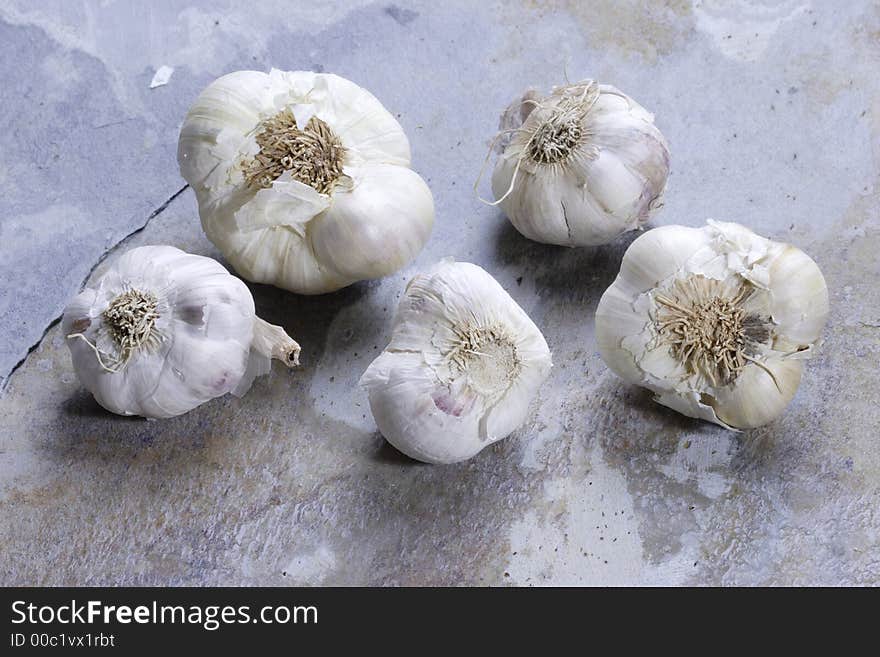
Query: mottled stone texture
x=773 y=117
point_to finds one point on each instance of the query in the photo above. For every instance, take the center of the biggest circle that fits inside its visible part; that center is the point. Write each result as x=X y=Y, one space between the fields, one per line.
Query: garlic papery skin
x=462 y=367
x=580 y=166
x=716 y=321
x=163 y=331
x=303 y=180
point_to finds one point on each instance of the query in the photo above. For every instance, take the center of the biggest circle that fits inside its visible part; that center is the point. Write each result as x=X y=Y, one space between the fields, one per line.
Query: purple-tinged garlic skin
x=580 y=166
x=462 y=367
x=163 y=331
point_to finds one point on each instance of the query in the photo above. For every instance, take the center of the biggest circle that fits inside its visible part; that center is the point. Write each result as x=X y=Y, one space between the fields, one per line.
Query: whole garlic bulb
x=580 y=166
x=463 y=364
x=716 y=321
x=163 y=331
x=303 y=180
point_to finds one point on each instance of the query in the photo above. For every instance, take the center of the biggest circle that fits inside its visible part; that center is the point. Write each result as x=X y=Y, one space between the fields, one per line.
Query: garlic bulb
x=716 y=321
x=580 y=166
x=163 y=331
x=303 y=180
x=463 y=364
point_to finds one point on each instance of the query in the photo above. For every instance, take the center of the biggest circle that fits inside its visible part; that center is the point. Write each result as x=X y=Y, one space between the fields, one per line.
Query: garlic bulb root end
x=273 y=342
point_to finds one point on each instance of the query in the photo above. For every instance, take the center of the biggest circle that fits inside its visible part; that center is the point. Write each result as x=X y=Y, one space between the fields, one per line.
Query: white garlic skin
x=206 y=340
x=441 y=399
x=374 y=220
x=611 y=182
x=787 y=303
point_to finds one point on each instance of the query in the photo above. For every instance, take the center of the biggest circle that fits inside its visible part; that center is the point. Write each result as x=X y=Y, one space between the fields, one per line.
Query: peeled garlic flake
x=163 y=331
x=463 y=364
x=716 y=321
x=303 y=180
x=580 y=166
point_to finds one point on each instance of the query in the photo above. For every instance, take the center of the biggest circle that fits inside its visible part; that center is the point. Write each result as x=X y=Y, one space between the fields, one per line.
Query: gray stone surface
x=773 y=116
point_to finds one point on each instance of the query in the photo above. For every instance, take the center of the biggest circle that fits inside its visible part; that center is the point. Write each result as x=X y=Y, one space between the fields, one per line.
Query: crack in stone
x=4 y=380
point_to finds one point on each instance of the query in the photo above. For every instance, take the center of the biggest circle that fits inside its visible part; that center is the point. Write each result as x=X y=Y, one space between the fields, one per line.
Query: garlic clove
x=613 y=103
x=423 y=420
x=615 y=116
x=541 y=217
x=272 y=255
x=194 y=368
x=587 y=221
x=225 y=112
x=799 y=302
x=757 y=398
x=618 y=325
x=512 y=411
x=658 y=254
x=129 y=391
x=615 y=187
x=644 y=155
x=366 y=127
x=440 y=302
x=378 y=226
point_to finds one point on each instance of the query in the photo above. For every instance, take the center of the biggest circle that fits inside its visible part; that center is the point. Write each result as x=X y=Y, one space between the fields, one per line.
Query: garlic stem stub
x=580 y=166
x=716 y=321
x=163 y=331
x=303 y=180
x=462 y=367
